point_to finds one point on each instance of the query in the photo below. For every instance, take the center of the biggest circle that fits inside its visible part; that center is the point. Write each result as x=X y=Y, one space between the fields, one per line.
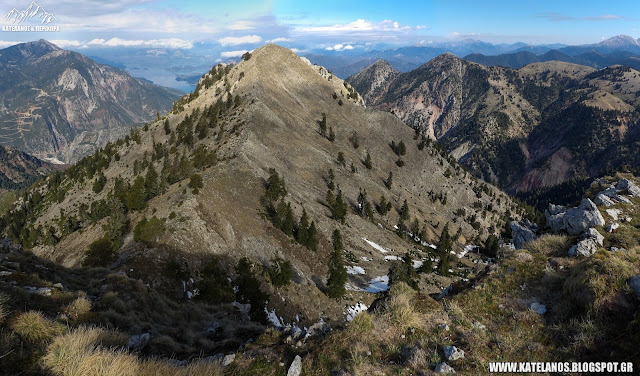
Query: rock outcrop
x=629 y=186
x=575 y=220
x=521 y=233
x=592 y=241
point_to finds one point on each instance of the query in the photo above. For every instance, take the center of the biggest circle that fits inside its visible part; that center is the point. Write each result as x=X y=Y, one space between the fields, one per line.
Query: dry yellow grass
x=78 y=308
x=34 y=328
x=399 y=309
x=85 y=351
x=596 y=282
x=549 y=245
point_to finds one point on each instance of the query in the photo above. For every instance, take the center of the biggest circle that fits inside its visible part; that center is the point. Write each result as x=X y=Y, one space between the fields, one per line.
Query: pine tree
x=382 y=208
x=275 y=186
x=331 y=200
x=287 y=221
x=402 y=149
x=337 y=275
x=136 y=198
x=362 y=199
x=332 y=134
x=100 y=182
x=313 y=237
x=167 y=128
x=427 y=266
x=445 y=246
x=355 y=141
x=389 y=180
x=151 y=183
x=404 y=211
x=323 y=125
x=302 y=235
x=367 y=161
x=341 y=161
x=340 y=209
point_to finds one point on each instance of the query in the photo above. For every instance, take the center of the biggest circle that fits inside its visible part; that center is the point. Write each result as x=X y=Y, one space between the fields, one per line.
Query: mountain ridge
x=488 y=115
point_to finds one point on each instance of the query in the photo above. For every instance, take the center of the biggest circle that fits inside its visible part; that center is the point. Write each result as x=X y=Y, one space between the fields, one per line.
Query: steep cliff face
x=535 y=127
x=49 y=96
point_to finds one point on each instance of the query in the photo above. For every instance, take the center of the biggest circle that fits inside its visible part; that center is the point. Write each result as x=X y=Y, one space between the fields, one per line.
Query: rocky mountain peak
x=619 y=41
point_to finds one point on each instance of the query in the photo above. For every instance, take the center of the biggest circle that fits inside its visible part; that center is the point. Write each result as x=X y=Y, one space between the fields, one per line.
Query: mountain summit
x=271 y=159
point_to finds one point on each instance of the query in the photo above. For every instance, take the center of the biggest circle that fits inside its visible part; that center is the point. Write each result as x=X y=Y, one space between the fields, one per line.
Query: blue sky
x=235 y=25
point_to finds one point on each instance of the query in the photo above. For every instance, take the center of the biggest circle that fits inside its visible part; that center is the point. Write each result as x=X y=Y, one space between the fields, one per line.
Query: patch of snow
x=425 y=244
x=352 y=287
x=417 y=264
x=354 y=310
x=297 y=318
x=355 y=270
x=378 y=284
x=392 y=258
x=53 y=160
x=365 y=259
x=376 y=246
x=273 y=318
x=466 y=250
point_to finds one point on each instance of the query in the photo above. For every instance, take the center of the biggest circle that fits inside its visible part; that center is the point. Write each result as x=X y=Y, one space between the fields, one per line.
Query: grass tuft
x=35 y=329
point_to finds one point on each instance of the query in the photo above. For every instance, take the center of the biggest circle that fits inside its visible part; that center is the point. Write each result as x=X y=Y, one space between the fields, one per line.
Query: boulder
x=452 y=353
x=413 y=356
x=595 y=235
x=614 y=213
x=296 y=367
x=585 y=247
x=610 y=192
x=575 y=220
x=44 y=291
x=623 y=199
x=629 y=186
x=228 y=359
x=444 y=368
x=538 y=308
x=612 y=227
x=603 y=200
x=634 y=283
x=520 y=234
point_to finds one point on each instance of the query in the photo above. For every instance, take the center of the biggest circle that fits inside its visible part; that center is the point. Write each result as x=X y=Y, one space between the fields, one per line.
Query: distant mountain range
x=57 y=103
x=621 y=49
x=535 y=127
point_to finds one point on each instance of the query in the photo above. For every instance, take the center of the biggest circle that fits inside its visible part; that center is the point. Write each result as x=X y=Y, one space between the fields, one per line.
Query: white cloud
x=357 y=26
x=340 y=47
x=96 y=42
x=153 y=43
x=62 y=43
x=279 y=40
x=241 y=25
x=234 y=41
x=228 y=54
x=5 y=44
